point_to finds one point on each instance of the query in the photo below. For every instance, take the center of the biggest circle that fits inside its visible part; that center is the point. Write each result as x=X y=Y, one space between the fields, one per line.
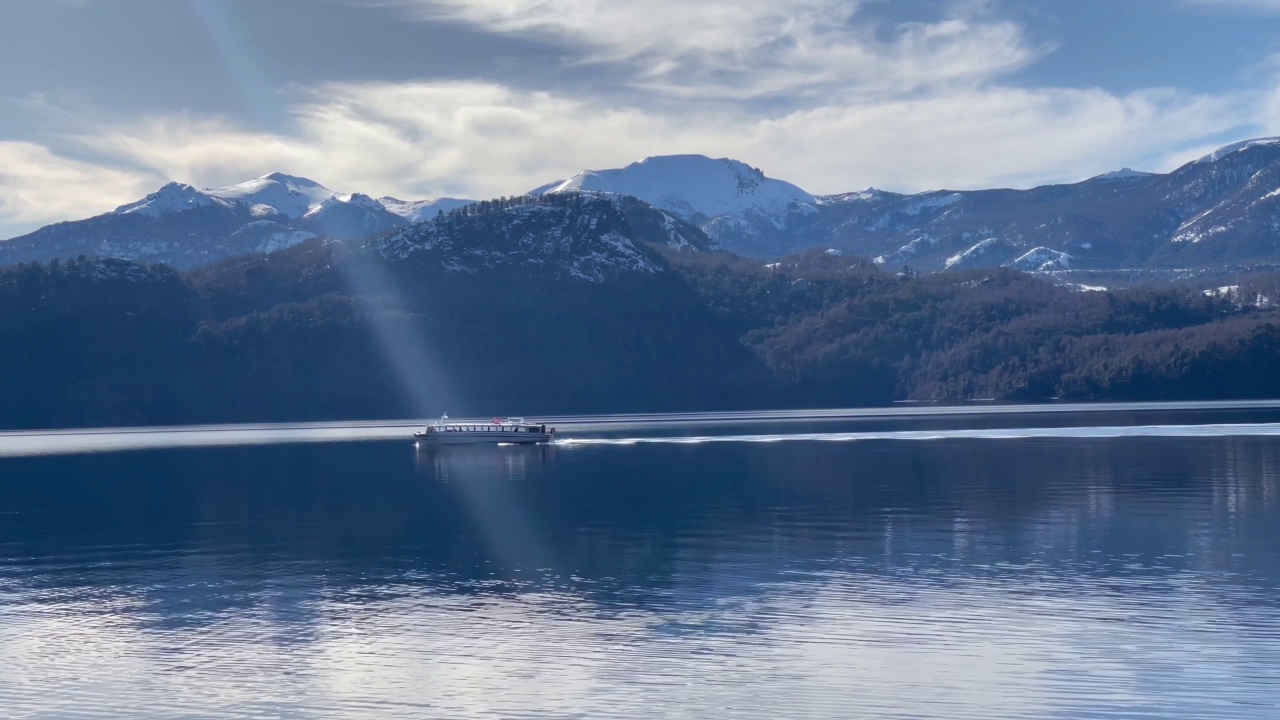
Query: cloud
x=739 y=49
x=38 y=186
x=485 y=139
x=476 y=139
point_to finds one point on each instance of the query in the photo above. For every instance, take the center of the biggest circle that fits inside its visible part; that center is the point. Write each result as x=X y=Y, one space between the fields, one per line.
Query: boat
x=499 y=431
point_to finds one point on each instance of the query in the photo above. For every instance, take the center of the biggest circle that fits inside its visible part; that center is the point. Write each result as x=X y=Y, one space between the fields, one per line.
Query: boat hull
x=435 y=439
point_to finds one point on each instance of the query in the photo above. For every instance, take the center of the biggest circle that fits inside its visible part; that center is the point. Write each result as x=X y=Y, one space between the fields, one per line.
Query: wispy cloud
x=748 y=48
x=39 y=186
x=481 y=140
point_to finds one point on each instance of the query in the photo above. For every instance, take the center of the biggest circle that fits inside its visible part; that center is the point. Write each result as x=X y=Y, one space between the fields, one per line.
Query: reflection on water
x=463 y=463
x=961 y=578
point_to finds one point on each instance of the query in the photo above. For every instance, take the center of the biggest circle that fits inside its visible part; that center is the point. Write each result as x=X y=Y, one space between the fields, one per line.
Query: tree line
x=296 y=336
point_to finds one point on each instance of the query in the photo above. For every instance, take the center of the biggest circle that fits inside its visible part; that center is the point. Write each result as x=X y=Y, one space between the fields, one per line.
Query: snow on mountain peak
x=280 y=194
x=354 y=200
x=361 y=200
x=291 y=196
x=1233 y=148
x=1123 y=174
x=419 y=210
x=871 y=194
x=329 y=203
x=173 y=197
x=690 y=186
x=290 y=180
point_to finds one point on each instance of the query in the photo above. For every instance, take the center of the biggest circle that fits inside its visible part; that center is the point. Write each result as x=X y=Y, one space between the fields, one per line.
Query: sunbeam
x=489 y=482
x=245 y=71
x=418 y=372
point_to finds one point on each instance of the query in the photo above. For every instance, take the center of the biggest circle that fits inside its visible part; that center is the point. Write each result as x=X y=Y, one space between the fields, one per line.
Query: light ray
x=418 y=372
x=238 y=60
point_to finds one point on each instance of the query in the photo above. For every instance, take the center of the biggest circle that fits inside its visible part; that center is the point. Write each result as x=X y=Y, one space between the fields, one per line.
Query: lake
x=941 y=568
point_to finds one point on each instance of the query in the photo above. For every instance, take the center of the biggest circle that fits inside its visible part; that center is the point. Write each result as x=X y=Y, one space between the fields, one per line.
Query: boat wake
x=1155 y=431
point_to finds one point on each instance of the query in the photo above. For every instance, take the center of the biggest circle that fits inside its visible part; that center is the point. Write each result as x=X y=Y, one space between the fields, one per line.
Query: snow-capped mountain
x=1223 y=208
x=734 y=203
x=187 y=227
x=1233 y=148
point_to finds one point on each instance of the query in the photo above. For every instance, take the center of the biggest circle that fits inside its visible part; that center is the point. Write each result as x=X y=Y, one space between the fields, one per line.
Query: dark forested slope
x=576 y=304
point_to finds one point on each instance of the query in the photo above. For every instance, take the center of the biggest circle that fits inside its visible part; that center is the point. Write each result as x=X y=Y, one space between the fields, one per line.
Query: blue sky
x=104 y=100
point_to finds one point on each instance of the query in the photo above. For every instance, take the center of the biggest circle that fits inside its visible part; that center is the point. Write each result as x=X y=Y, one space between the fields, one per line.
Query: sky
x=103 y=101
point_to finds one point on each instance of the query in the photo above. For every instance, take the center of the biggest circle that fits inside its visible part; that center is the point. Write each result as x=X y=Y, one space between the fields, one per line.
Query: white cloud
x=454 y=138
x=749 y=48
x=38 y=186
x=481 y=139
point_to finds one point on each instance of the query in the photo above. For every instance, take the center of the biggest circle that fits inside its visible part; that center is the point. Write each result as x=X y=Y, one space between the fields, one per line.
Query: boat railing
x=499 y=424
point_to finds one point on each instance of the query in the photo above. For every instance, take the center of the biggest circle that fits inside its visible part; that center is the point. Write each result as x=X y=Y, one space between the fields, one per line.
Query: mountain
x=185 y=227
x=563 y=301
x=1221 y=209
x=558 y=236
x=1219 y=212
x=735 y=204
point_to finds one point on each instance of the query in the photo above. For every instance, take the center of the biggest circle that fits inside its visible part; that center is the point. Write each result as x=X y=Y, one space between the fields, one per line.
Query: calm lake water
x=1112 y=574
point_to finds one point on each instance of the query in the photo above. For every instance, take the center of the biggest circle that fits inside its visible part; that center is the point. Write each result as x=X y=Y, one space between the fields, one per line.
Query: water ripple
x=1104 y=575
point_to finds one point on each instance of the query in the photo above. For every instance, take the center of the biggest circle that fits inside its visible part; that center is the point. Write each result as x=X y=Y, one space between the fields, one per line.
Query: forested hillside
x=326 y=332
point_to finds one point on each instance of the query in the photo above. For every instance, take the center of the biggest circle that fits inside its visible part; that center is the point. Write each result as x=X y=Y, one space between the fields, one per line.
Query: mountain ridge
x=187 y=227
x=1221 y=208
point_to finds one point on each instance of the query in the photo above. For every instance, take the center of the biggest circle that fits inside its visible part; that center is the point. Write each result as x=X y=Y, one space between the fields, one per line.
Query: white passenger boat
x=501 y=430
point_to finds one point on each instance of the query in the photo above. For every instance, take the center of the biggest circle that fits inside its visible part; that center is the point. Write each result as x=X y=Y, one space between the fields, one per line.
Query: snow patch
x=291 y=196
x=172 y=198
x=972 y=254
x=869 y=195
x=1041 y=260
x=281 y=241
x=420 y=210
x=927 y=201
x=694 y=188
x=1124 y=174
x=1233 y=148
